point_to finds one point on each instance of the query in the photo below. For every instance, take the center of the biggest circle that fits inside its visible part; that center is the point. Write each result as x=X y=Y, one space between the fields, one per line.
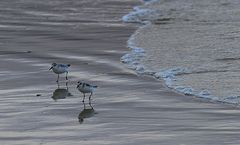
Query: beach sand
x=128 y=109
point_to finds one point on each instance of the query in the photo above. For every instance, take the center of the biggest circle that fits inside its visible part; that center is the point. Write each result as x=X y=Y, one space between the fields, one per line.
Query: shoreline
x=129 y=109
x=147 y=19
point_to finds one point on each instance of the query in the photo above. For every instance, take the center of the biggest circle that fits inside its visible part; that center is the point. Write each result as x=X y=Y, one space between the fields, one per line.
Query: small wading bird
x=60 y=69
x=86 y=88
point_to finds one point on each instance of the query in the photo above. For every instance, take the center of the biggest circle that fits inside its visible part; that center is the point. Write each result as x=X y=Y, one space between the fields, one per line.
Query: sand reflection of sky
x=87 y=112
x=60 y=92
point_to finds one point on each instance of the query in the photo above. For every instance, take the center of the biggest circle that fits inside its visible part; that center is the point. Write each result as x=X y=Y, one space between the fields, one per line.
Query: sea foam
x=133 y=58
x=144 y=16
x=141 y=15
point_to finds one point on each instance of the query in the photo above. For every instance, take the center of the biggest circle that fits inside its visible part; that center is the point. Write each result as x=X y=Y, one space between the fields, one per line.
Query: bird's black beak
x=77 y=86
x=51 y=68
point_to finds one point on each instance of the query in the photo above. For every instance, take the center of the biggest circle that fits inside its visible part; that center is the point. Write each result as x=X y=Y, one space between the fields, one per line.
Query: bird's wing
x=62 y=65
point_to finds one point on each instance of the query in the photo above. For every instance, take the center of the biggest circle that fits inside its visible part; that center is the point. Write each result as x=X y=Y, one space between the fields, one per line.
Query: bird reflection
x=87 y=112
x=61 y=93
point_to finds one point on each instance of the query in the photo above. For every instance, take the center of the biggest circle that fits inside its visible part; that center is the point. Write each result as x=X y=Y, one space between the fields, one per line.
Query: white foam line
x=132 y=59
x=141 y=15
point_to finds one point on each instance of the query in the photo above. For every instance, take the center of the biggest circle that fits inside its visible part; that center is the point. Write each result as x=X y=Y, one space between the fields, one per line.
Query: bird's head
x=53 y=65
x=80 y=83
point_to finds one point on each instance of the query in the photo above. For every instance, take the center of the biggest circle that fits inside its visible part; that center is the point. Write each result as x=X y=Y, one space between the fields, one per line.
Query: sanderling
x=59 y=69
x=86 y=88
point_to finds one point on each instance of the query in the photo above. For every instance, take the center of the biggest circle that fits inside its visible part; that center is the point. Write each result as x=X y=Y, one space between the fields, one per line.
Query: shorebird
x=86 y=88
x=59 y=69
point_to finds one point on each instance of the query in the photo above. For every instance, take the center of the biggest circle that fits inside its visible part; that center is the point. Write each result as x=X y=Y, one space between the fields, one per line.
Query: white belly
x=85 y=90
x=59 y=70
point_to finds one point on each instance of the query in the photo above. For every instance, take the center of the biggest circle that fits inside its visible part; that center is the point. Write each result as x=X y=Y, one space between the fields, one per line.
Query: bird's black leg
x=90 y=104
x=83 y=97
x=67 y=85
x=90 y=97
x=57 y=78
x=66 y=75
x=58 y=84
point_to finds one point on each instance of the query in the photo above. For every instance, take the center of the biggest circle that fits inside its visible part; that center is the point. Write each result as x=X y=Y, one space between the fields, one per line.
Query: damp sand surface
x=194 y=46
x=126 y=109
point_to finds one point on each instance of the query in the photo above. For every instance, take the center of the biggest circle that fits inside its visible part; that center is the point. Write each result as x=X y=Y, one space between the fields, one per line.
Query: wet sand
x=127 y=109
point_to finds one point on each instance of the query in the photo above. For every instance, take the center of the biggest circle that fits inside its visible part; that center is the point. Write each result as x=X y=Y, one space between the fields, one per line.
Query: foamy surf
x=141 y=15
x=171 y=75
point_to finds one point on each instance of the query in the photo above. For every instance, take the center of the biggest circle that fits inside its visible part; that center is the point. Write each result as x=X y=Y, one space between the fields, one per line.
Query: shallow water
x=125 y=110
x=192 y=45
x=33 y=35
